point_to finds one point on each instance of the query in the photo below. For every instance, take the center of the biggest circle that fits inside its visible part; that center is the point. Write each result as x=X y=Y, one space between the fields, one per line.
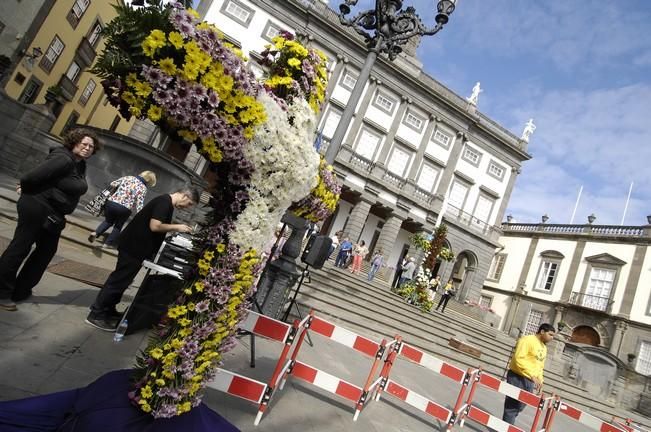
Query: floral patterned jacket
x=130 y=193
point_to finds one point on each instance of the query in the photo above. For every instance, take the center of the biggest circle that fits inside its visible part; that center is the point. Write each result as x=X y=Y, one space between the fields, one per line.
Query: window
x=367 y=144
x=484 y=208
x=87 y=93
x=533 y=322
x=546 y=276
x=52 y=54
x=600 y=284
x=30 y=92
x=427 y=177
x=238 y=12
x=73 y=71
x=643 y=364
x=348 y=81
x=413 y=121
x=471 y=155
x=398 y=162
x=495 y=272
x=270 y=31
x=330 y=125
x=384 y=103
x=458 y=193
x=78 y=9
x=496 y=170
x=93 y=35
x=485 y=302
x=441 y=139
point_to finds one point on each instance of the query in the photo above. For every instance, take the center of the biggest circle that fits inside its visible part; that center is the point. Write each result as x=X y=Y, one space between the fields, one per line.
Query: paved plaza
x=47 y=347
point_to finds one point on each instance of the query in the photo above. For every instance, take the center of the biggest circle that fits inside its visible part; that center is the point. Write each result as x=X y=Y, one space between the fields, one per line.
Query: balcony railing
x=361 y=161
x=601 y=230
x=462 y=218
x=86 y=53
x=589 y=301
x=68 y=88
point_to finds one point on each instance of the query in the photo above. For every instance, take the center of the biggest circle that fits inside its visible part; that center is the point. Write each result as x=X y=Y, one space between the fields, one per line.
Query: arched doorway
x=463 y=273
x=585 y=335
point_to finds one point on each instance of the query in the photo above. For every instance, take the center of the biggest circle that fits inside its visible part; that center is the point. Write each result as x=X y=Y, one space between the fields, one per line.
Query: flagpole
x=576 y=205
x=628 y=198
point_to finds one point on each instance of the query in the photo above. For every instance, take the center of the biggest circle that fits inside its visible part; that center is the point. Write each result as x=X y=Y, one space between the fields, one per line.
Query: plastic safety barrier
x=399 y=348
x=326 y=381
x=579 y=416
x=539 y=402
x=247 y=388
x=628 y=424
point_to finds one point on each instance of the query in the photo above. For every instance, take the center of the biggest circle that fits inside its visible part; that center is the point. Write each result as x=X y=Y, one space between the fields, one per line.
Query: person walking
x=407 y=271
x=344 y=249
x=434 y=283
x=129 y=196
x=446 y=295
x=140 y=241
x=359 y=253
x=526 y=368
x=398 y=272
x=335 y=243
x=376 y=262
x=47 y=193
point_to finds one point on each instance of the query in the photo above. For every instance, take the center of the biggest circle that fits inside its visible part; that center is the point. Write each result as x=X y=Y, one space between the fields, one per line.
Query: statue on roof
x=474 y=97
x=529 y=128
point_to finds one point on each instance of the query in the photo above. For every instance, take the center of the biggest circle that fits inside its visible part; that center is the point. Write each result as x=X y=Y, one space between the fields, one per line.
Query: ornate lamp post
x=385 y=29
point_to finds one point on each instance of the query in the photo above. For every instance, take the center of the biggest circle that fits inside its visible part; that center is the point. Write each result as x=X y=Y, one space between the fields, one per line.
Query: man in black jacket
x=139 y=241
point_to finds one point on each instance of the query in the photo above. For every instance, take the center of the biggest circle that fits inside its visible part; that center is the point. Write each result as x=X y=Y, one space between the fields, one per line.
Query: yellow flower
x=144 y=406
x=193 y=12
x=160 y=382
x=221 y=247
x=135 y=111
x=184 y=322
x=187 y=134
x=156 y=353
x=199 y=286
x=294 y=62
x=154 y=113
x=188 y=291
x=129 y=98
x=175 y=39
x=167 y=65
x=146 y=392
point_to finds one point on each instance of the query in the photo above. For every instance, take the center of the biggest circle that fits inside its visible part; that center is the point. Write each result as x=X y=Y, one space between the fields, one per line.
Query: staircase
x=371 y=309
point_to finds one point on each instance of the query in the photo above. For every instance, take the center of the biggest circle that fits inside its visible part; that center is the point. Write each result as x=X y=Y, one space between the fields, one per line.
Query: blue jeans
x=342 y=257
x=374 y=269
x=513 y=407
x=114 y=215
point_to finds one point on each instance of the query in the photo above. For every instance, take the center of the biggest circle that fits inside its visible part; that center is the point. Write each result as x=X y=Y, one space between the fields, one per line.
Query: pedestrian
x=398 y=272
x=526 y=368
x=434 y=283
x=446 y=295
x=140 y=240
x=335 y=243
x=47 y=193
x=376 y=262
x=344 y=250
x=129 y=196
x=407 y=271
x=359 y=253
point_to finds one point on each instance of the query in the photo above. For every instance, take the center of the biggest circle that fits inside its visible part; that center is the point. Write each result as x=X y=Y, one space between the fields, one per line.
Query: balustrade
x=590 y=301
x=602 y=230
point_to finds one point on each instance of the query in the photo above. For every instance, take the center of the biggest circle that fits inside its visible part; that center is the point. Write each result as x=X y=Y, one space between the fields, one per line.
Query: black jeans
x=29 y=231
x=443 y=301
x=117 y=283
x=513 y=407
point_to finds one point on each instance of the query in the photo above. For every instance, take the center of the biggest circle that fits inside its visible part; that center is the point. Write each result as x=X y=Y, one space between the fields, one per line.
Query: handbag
x=97 y=204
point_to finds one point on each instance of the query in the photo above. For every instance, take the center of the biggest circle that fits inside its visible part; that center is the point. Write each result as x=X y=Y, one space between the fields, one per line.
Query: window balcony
x=86 y=53
x=68 y=88
x=598 y=303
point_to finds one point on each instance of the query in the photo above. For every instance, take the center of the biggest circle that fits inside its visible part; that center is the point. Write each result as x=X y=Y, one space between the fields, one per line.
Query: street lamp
x=591 y=218
x=545 y=218
x=385 y=30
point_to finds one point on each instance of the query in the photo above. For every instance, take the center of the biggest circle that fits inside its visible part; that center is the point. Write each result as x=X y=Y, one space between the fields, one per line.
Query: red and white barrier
x=628 y=425
x=538 y=402
x=399 y=348
x=579 y=416
x=247 y=388
x=329 y=382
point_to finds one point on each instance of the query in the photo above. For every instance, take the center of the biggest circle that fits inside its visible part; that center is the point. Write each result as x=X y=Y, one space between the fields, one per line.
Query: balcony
x=68 y=88
x=567 y=229
x=86 y=53
x=598 y=303
x=462 y=218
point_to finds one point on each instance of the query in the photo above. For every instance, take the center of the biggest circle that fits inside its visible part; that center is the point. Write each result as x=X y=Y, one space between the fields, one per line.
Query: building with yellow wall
x=68 y=40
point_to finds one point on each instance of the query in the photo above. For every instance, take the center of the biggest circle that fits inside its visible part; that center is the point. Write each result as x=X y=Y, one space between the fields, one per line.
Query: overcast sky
x=582 y=70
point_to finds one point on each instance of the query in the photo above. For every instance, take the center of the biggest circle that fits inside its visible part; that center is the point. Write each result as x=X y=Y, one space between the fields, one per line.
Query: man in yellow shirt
x=526 y=368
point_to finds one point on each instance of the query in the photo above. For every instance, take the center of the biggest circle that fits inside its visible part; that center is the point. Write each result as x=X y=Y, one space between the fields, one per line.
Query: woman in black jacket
x=48 y=193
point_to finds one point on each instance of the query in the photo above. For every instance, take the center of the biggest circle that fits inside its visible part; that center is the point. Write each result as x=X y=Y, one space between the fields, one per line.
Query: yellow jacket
x=529 y=357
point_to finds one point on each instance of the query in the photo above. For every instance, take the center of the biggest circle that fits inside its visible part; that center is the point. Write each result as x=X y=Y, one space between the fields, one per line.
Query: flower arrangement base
x=101 y=406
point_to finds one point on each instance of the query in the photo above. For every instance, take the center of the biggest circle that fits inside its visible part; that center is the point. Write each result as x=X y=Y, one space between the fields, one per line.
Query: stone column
x=388 y=235
x=448 y=172
x=633 y=281
x=384 y=153
x=620 y=330
x=357 y=220
x=433 y=121
x=507 y=195
x=558 y=316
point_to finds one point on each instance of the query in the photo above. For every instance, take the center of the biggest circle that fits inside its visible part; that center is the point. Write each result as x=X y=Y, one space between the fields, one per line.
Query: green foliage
x=420 y=242
x=124 y=35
